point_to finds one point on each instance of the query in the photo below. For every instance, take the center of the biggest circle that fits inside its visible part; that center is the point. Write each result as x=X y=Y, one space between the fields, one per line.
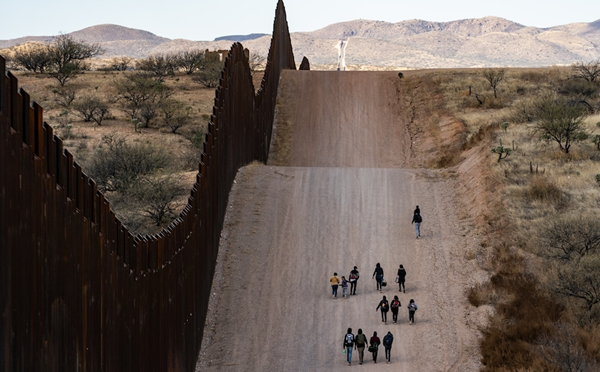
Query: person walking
x=417 y=219
x=374 y=346
x=335 y=282
x=361 y=343
x=353 y=279
x=378 y=276
x=412 y=307
x=349 y=345
x=401 y=278
x=385 y=307
x=395 y=305
x=387 y=344
x=344 y=287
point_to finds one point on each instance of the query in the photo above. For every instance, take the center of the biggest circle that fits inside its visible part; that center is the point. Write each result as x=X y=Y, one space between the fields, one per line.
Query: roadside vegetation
x=135 y=126
x=542 y=127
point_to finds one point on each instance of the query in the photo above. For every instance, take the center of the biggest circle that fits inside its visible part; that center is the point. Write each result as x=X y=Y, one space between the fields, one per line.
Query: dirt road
x=341 y=195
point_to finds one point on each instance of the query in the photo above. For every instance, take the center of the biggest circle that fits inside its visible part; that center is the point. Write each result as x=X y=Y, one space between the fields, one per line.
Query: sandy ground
x=342 y=195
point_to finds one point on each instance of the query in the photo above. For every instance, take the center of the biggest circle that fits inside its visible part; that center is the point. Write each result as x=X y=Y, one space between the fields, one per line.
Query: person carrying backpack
x=412 y=307
x=385 y=307
x=349 y=345
x=353 y=279
x=387 y=344
x=417 y=219
x=378 y=276
x=335 y=282
x=374 y=346
x=361 y=343
x=401 y=278
x=395 y=305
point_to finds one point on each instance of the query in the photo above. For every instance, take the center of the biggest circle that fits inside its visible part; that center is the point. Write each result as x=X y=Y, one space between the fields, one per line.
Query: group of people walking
x=359 y=343
x=336 y=282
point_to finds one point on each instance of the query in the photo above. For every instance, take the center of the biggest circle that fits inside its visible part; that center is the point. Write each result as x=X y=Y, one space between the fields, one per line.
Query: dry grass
x=538 y=182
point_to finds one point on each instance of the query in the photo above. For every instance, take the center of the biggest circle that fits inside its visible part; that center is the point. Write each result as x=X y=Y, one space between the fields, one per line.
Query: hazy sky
x=205 y=19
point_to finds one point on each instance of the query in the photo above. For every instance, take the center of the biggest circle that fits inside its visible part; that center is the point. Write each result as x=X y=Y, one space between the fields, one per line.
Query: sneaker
x=410 y=322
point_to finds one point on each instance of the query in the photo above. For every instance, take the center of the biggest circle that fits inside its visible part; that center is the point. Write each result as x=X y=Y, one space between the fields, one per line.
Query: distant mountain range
x=488 y=41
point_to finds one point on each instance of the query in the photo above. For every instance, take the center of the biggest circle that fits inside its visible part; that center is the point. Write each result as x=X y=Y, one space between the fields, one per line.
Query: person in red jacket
x=374 y=343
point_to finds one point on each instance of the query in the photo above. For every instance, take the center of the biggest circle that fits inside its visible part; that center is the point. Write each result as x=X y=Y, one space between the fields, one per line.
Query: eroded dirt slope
x=341 y=194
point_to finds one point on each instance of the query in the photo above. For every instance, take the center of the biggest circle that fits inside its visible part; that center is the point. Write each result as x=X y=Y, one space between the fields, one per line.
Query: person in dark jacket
x=412 y=307
x=378 y=276
x=354 y=275
x=401 y=278
x=417 y=219
x=395 y=306
x=349 y=345
x=385 y=307
x=387 y=343
x=374 y=342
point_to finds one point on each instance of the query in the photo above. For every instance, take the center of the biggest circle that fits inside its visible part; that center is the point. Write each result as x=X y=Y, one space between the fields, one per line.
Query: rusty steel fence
x=79 y=292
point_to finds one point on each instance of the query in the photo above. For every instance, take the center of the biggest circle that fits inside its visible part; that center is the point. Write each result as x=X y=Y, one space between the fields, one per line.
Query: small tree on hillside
x=136 y=91
x=494 y=77
x=159 y=65
x=67 y=56
x=190 y=60
x=91 y=108
x=33 y=58
x=561 y=121
x=210 y=71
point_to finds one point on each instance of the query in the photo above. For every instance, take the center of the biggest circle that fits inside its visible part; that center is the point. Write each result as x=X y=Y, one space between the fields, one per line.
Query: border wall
x=78 y=291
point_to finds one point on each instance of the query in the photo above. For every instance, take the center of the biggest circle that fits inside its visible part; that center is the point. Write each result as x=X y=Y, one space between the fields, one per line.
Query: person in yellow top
x=335 y=281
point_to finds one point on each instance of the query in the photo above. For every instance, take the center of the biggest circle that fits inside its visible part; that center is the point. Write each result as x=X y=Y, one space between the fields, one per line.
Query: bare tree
x=156 y=196
x=66 y=56
x=137 y=90
x=158 y=65
x=64 y=96
x=588 y=71
x=561 y=121
x=562 y=350
x=92 y=108
x=255 y=61
x=190 y=60
x=494 y=78
x=175 y=114
x=33 y=58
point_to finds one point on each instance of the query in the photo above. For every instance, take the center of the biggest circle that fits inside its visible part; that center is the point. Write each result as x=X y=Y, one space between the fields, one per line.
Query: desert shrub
x=118 y=165
x=569 y=238
x=542 y=189
x=92 y=108
x=156 y=196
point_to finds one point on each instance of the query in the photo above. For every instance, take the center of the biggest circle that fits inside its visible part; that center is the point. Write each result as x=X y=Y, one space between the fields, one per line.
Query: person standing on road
x=412 y=307
x=417 y=219
x=387 y=343
x=335 y=281
x=401 y=278
x=385 y=307
x=374 y=346
x=344 y=287
x=349 y=345
x=395 y=305
x=353 y=279
x=378 y=276
x=361 y=343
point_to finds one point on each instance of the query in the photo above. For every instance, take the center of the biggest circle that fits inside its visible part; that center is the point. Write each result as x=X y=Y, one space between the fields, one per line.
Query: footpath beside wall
x=79 y=292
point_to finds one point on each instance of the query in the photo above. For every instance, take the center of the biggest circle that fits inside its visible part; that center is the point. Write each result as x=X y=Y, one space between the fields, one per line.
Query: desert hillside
x=488 y=41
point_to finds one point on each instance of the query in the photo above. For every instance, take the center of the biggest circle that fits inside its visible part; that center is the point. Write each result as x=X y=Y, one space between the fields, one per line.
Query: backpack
x=353 y=276
x=387 y=340
x=418 y=218
x=361 y=340
x=395 y=304
x=349 y=339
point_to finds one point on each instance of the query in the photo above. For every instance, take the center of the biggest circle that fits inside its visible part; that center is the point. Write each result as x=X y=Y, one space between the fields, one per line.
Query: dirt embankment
x=339 y=190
